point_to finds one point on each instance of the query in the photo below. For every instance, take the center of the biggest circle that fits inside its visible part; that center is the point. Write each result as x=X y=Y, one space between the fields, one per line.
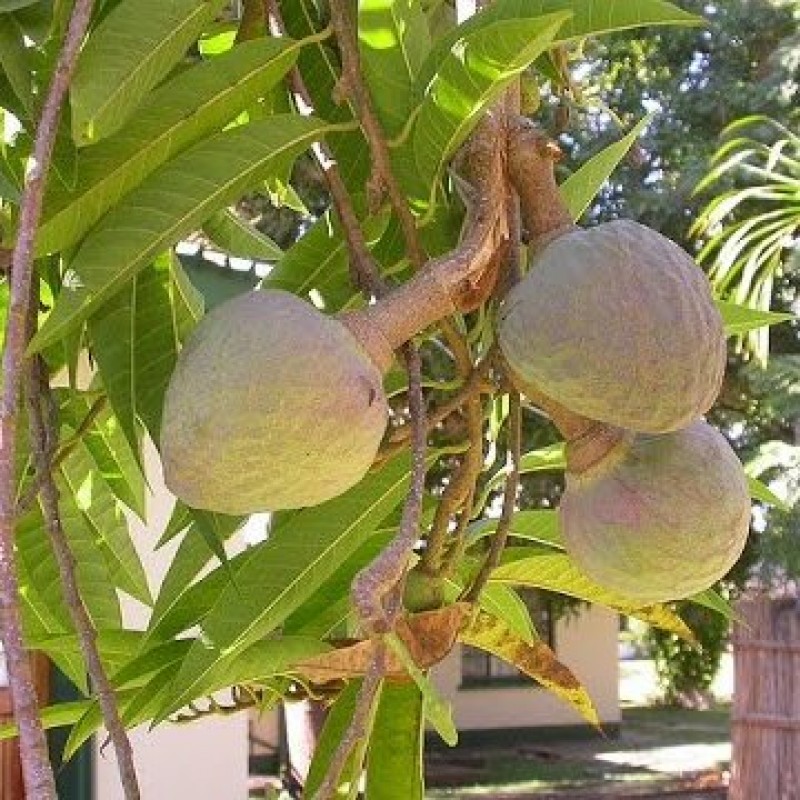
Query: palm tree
x=751 y=230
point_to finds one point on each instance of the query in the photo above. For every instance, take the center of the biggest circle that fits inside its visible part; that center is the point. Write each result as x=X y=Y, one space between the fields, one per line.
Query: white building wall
x=586 y=643
x=205 y=760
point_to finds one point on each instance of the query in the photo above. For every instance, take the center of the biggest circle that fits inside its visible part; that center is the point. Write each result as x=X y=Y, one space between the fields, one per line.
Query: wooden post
x=766 y=707
x=11 y=787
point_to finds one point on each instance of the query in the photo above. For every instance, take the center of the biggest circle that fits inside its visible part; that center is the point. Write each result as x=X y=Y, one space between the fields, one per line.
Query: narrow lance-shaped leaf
x=740 y=319
x=128 y=53
x=535 y=659
x=476 y=71
x=94 y=507
x=589 y=18
x=108 y=447
x=582 y=186
x=393 y=41
x=236 y=237
x=14 y=62
x=135 y=342
x=554 y=571
x=394 y=759
x=172 y=202
x=280 y=574
x=178 y=114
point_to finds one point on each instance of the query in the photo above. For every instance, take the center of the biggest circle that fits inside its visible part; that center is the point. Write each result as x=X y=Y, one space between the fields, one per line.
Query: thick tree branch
x=43 y=423
x=37 y=773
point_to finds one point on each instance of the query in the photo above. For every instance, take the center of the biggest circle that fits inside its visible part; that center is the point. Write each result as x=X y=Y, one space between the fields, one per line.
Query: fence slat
x=766 y=704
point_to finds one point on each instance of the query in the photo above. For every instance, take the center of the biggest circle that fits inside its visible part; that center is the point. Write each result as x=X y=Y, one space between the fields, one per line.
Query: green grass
x=644 y=753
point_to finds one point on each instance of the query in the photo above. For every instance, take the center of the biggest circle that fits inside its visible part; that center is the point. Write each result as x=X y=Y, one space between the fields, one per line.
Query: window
x=479 y=668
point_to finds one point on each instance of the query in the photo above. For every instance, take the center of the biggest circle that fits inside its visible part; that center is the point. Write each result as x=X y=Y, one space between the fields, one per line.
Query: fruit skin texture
x=617 y=323
x=272 y=405
x=660 y=517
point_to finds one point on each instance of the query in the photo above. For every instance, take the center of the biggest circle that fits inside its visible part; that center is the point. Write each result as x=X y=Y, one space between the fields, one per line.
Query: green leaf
x=335 y=727
x=478 y=68
x=542 y=459
x=712 y=599
x=330 y=604
x=589 y=18
x=437 y=710
x=534 y=659
x=186 y=109
x=760 y=491
x=538 y=525
x=740 y=319
x=547 y=569
x=393 y=42
x=55 y=716
x=499 y=601
x=126 y=55
x=394 y=759
x=582 y=186
x=108 y=447
x=277 y=576
x=136 y=341
x=14 y=62
x=44 y=612
x=232 y=234
x=13 y=5
x=172 y=202
x=261 y=661
x=93 y=506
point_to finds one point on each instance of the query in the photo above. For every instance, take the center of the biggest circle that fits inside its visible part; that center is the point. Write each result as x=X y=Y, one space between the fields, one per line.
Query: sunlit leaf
x=171 y=202
x=534 y=659
x=136 y=45
x=582 y=186
x=394 y=758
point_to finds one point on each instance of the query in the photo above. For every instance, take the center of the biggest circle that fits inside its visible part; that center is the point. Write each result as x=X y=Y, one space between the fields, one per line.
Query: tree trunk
x=766 y=707
x=11 y=787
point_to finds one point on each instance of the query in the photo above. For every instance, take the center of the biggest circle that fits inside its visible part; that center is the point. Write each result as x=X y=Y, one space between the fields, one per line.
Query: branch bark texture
x=37 y=773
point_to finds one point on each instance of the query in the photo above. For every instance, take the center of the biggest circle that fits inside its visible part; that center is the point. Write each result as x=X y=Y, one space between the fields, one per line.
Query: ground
x=659 y=752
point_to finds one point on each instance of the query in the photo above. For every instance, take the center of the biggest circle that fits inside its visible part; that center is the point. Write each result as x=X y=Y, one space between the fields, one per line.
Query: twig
x=42 y=420
x=353 y=86
x=367 y=273
x=509 y=501
x=476 y=383
x=359 y=724
x=29 y=498
x=457 y=494
x=374 y=584
x=37 y=773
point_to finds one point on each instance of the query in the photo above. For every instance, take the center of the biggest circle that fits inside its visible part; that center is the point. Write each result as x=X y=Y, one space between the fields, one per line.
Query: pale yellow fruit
x=660 y=517
x=618 y=324
x=272 y=405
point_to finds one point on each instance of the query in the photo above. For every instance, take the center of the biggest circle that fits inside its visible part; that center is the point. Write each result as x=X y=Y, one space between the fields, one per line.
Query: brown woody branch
x=37 y=773
x=367 y=273
x=500 y=537
x=353 y=86
x=42 y=420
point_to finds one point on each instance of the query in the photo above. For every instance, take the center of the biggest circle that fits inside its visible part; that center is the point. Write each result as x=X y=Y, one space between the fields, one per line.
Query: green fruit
x=618 y=324
x=272 y=405
x=660 y=517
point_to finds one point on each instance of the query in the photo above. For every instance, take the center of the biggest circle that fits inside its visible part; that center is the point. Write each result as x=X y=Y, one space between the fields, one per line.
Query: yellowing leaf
x=535 y=659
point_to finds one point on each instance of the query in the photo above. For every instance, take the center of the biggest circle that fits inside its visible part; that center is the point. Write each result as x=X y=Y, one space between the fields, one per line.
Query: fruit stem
x=532 y=157
x=457 y=280
x=587 y=440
